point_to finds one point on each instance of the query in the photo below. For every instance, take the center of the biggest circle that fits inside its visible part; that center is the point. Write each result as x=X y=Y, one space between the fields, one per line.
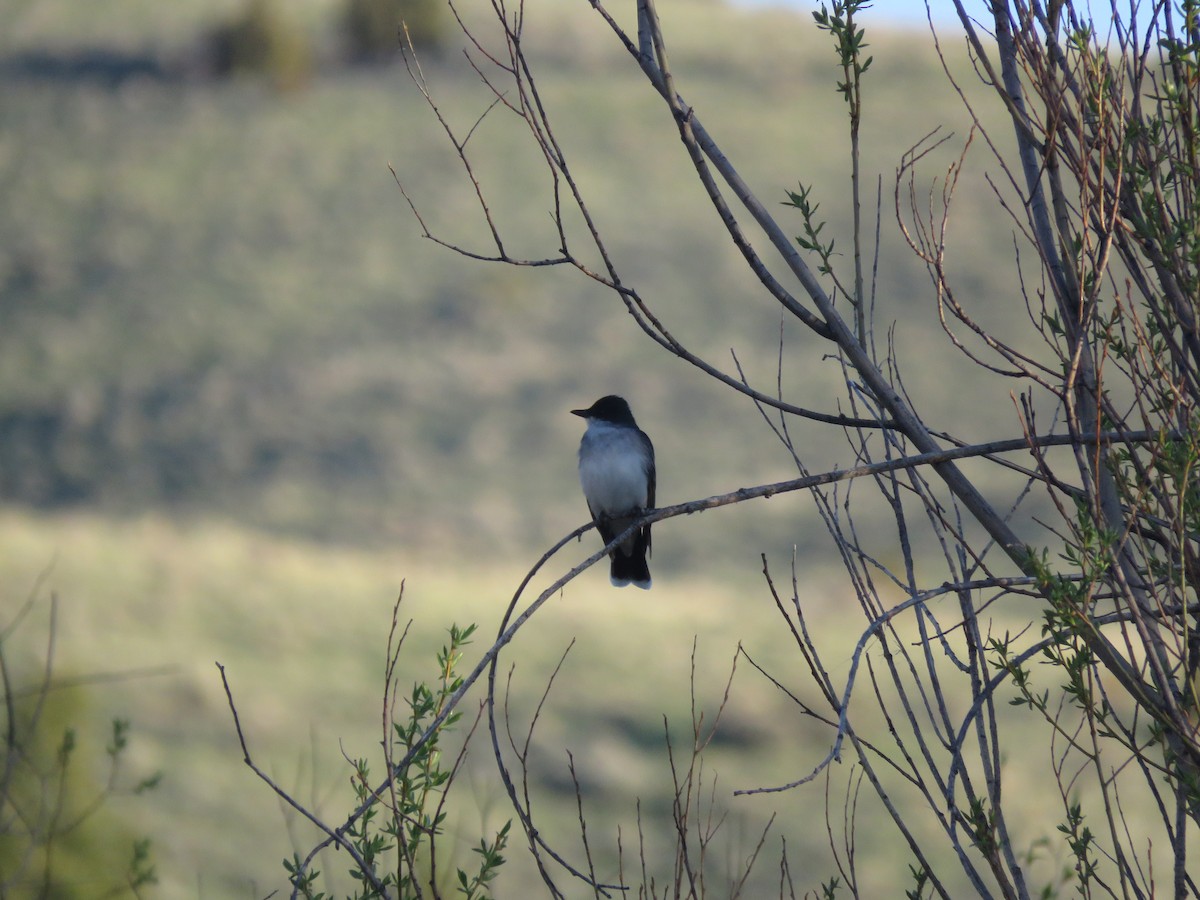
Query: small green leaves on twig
x=492 y=858
x=395 y=834
x=849 y=41
x=811 y=239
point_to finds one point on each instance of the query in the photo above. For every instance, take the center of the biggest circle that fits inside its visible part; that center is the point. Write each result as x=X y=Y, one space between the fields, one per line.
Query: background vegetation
x=240 y=399
x=216 y=301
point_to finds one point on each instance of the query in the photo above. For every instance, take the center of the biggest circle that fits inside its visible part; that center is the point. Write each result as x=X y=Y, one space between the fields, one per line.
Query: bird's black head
x=608 y=409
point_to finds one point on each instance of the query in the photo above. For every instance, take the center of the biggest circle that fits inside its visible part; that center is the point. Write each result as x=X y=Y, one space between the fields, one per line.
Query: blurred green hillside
x=241 y=398
x=216 y=301
x=302 y=629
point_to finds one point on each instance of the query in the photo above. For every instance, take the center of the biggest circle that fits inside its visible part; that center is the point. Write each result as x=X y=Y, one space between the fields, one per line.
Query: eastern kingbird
x=616 y=469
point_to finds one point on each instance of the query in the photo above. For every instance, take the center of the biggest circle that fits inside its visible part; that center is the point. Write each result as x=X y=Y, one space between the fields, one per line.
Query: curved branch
x=835 y=751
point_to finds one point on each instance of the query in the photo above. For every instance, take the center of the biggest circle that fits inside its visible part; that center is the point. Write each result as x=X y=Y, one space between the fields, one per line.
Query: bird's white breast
x=613 y=469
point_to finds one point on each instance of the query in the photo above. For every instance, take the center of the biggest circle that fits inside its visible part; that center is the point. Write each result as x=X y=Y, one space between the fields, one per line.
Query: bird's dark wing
x=651 y=482
x=650 y=474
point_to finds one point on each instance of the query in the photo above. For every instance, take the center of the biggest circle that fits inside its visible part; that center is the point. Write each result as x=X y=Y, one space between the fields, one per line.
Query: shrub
x=374 y=29
x=58 y=835
x=262 y=40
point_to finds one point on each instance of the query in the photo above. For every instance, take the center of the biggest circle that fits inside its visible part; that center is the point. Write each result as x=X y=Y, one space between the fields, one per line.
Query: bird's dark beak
x=579 y=412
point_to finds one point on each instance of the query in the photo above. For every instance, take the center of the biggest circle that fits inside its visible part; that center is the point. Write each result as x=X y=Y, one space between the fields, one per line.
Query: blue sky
x=904 y=12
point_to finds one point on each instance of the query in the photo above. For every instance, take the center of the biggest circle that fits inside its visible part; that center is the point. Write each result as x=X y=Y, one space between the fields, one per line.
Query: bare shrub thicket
x=1102 y=110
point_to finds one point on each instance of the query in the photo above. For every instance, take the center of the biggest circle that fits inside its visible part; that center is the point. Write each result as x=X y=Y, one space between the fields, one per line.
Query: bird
x=616 y=470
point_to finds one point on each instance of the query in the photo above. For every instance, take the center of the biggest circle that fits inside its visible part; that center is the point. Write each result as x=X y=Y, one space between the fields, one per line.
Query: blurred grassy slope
x=215 y=303
x=302 y=633
x=215 y=299
x=302 y=629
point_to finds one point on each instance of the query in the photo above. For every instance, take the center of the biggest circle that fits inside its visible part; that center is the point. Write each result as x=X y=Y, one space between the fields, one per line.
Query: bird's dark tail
x=631 y=567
